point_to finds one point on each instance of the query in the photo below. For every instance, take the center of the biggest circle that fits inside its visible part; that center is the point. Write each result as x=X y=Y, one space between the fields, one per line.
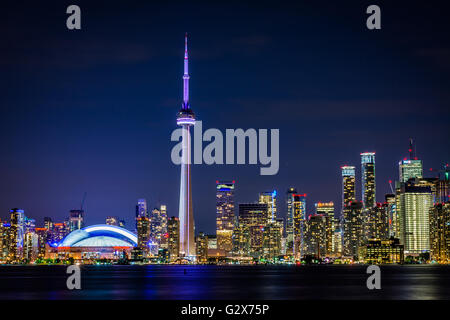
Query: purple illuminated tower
x=186 y=119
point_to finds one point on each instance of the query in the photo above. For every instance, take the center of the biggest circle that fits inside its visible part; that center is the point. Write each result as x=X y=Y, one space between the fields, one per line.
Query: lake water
x=225 y=282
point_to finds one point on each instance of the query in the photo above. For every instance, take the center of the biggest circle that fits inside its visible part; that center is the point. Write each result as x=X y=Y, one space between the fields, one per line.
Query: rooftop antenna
x=412 y=151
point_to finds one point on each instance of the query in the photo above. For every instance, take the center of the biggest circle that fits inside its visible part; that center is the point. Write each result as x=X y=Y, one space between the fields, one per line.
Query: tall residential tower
x=348 y=185
x=225 y=214
x=368 y=179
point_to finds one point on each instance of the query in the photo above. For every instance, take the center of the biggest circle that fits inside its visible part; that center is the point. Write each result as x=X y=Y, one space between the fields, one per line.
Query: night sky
x=92 y=110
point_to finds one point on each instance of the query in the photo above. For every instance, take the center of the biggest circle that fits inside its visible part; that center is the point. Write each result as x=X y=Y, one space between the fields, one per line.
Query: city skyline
x=141 y=206
x=62 y=137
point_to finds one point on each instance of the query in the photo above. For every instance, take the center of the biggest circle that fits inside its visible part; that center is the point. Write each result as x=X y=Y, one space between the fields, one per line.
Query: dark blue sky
x=92 y=110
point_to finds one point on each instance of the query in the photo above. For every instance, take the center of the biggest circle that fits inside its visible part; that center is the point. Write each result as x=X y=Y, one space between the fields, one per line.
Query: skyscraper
x=368 y=179
x=42 y=234
x=353 y=228
x=299 y=204
x=272 y=240
x=225 y=214
x=390 y=206
x=16 y=234
x=141 y=208
x=5 y=229
x=202 y=248
x=143 y=233
x=270 y=198
x=158 y=225
x=48 y=224
x=3 y=236
x=315 y=236
x=112 y=221
x=440 y=232
x=290 y=219
x=376 y=223
x=410 y=169
x=414 y=207
x=186 y=119
x=326 y=209
x=252 y=220
x=76 y=220
x=348 y=185
x=173 y=243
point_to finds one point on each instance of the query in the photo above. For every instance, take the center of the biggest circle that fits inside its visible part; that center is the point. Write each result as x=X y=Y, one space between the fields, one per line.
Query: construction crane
x=82 y=201
x=390 y=185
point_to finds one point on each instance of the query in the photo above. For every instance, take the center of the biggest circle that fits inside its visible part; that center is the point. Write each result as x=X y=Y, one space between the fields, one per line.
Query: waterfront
x=225 y=282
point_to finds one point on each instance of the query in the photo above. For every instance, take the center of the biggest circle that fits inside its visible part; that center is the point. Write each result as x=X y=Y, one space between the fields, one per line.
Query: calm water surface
x=225 y=282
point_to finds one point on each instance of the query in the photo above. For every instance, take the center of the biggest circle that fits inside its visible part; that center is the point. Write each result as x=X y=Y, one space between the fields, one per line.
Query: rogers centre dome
x=97 y=241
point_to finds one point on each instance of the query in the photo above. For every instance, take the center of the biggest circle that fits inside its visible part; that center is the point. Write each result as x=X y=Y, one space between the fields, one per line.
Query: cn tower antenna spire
x=186 y=74
x=185 y=46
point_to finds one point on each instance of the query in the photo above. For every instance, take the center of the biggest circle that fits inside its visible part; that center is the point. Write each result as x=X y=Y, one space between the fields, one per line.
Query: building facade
x=414 y=204
x=225 y=214
x=353 y=228
x=173 y=243
x=440 y=232
x=368 y=179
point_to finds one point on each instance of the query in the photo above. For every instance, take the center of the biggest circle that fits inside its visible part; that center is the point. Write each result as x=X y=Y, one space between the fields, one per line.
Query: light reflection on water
x=225 y=282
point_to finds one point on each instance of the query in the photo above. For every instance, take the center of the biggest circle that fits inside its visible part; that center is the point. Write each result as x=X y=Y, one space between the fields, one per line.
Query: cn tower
x=186 y=119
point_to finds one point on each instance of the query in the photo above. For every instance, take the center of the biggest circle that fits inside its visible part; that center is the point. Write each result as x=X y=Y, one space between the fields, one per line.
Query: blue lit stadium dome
x=100 y=235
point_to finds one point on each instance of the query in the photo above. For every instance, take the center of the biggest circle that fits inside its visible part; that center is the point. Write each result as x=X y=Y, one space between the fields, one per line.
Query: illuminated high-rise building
x=272 y=240
x=337 y=242
x=58 y=232
x=290 y=219
x=443 y=191
x=315 y=236
x=186 y=119
x=299 y=205
x=410 y=169
x=368 y=179
x=158 y=225
x=376 y=223
x=143 y=234
x=42 y=234
x=164 y=218
x=353 y=228
x=16 y=234
x=31 y=246
x=173 y=243
x=4 y=240
x=225 y=214
x=413 y=205
x=48 y=223
x=76 y=220
x=440 y=232
x=270 y=198
x=390 y=205
x=112 y=221
x=141 y=208
x=252 y=220
x=348 y=185
x=326 y=209
x=202 y=248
